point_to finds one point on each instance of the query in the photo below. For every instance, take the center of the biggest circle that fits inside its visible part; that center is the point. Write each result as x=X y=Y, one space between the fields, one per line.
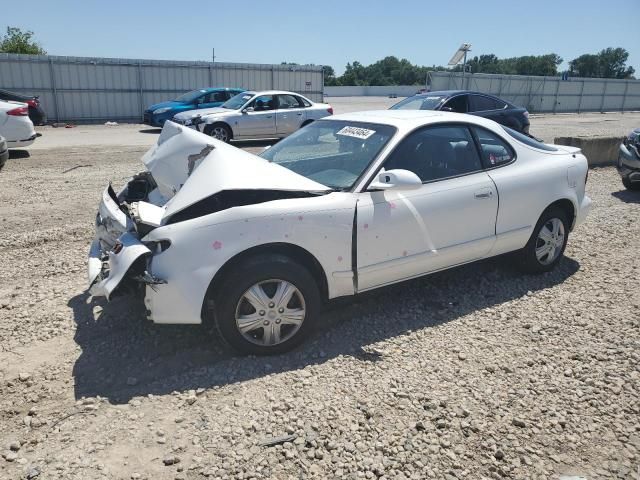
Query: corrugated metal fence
x=547 y=94
x=98 y=89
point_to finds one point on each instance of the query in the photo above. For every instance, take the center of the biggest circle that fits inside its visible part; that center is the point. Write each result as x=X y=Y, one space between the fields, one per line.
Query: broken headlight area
x=139 y=188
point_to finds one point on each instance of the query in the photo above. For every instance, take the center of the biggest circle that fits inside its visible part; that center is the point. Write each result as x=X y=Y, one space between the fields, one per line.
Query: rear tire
x=545 y=248
x=268 y=305
x=219 y=131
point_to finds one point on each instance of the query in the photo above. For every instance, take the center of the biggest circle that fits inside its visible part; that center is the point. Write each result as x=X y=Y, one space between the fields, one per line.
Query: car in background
x=256 y=115
x=473 y=103
x=350 y=203
x=628 y=164
x=159 y=113
x=15 y=125
x=36 y=112
x=4 y=152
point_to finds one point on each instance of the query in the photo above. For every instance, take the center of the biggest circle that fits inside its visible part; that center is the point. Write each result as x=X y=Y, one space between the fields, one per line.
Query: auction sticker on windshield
x=356 y=132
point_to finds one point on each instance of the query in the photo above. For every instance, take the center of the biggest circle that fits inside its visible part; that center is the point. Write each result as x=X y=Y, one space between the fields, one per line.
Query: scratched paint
x=217 y=245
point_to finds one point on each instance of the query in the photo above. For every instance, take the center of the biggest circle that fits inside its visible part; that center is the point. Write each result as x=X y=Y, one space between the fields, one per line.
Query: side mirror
x=447 y=109
x=247 y=110
x=397 y=179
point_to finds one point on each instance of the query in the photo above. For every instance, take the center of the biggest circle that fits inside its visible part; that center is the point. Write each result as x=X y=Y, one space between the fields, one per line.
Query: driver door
x=449 y=220
x=258 y=119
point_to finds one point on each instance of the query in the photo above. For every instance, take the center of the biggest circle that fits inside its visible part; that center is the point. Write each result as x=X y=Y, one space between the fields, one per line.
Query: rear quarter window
x=494 y=150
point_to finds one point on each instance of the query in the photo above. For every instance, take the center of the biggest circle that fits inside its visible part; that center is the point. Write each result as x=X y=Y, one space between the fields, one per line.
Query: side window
x=219 y=97
x=288 y=101
x=434 y=153
x=480 y=103
x=306 y=103
x=495 y=151
x=457 y=104
x=500 y=105
x=263 y=103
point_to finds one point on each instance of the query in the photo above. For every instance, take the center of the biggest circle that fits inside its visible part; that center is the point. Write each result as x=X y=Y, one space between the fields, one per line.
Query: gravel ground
x=477 y=372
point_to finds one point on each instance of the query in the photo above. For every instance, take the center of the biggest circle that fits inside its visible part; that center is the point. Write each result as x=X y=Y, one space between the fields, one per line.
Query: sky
x=326 y=32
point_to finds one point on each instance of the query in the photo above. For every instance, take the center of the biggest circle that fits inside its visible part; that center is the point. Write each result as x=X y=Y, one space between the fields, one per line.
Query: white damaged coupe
x=346 y=204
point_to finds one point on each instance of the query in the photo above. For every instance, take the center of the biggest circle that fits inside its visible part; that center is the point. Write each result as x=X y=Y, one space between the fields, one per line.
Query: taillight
x=330 y=110
x=19 y=112
x=33 y=103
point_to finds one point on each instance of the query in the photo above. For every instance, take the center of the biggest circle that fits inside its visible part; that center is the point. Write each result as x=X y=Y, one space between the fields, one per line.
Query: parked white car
x=15 y=125
x=345 y=205
x=255 y=115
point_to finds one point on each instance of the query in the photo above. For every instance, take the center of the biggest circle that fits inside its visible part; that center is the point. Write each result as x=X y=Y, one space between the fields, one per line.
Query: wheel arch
x=292 y=251
x=220 y=122
x=306 y=122
x=567 y=206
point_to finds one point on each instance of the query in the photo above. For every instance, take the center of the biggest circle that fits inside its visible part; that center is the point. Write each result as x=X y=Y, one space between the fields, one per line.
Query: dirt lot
x=478 y=372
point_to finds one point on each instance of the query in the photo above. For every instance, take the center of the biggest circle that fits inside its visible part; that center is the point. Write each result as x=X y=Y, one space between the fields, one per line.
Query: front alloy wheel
x=219 y=132
x=270 y=312
x=265 y=304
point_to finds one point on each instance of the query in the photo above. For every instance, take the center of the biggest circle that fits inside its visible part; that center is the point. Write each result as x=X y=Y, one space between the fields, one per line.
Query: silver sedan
x=256 y=115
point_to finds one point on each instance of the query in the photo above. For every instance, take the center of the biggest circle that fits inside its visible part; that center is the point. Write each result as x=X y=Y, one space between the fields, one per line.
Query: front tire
x=219 y=131
x=546 y=246
x=269 y=305
x=629 y=185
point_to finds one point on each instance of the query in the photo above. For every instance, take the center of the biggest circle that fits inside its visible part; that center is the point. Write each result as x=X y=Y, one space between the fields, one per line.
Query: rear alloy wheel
x=219 y=132
x=547 y=243
x=267 y=305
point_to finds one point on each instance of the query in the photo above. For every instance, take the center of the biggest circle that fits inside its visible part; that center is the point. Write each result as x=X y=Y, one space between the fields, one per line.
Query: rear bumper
x=583 y=211
x=25 y=142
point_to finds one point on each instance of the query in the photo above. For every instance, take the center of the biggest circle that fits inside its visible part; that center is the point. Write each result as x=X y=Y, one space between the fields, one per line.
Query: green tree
x=608 y=63
x=329 y=75
x=17 y=41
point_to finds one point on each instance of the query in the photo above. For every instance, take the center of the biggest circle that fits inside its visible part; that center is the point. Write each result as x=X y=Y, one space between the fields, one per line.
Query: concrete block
x=600 y=151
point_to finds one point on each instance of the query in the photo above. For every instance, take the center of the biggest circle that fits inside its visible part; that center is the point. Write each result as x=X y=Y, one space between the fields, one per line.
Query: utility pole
x=213 y=55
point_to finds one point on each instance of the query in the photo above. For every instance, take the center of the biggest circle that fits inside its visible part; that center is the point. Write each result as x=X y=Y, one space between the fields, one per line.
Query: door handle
x=484 y=194
x=269 y=116
x=299 y=114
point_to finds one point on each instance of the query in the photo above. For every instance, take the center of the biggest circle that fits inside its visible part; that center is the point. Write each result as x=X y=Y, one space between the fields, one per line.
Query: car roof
x=219 y=89
x=272 y=92
x=410 y=119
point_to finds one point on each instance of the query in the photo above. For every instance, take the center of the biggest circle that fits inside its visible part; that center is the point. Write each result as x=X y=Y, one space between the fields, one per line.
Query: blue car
x=159 y=113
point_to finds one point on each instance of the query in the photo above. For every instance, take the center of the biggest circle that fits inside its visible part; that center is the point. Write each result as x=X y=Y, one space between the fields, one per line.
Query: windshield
x=234 y=103
x=418 y=102
x=190 y=97
x=332 y=152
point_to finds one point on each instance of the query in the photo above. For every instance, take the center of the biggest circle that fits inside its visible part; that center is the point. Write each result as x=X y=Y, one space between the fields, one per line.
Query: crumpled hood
x=189 y=166
x=202 y=112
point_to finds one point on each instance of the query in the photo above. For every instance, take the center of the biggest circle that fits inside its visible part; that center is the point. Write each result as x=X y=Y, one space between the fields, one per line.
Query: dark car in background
x=159 y=113
x=473 y=103
x=629 y=160
x=36 y=112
